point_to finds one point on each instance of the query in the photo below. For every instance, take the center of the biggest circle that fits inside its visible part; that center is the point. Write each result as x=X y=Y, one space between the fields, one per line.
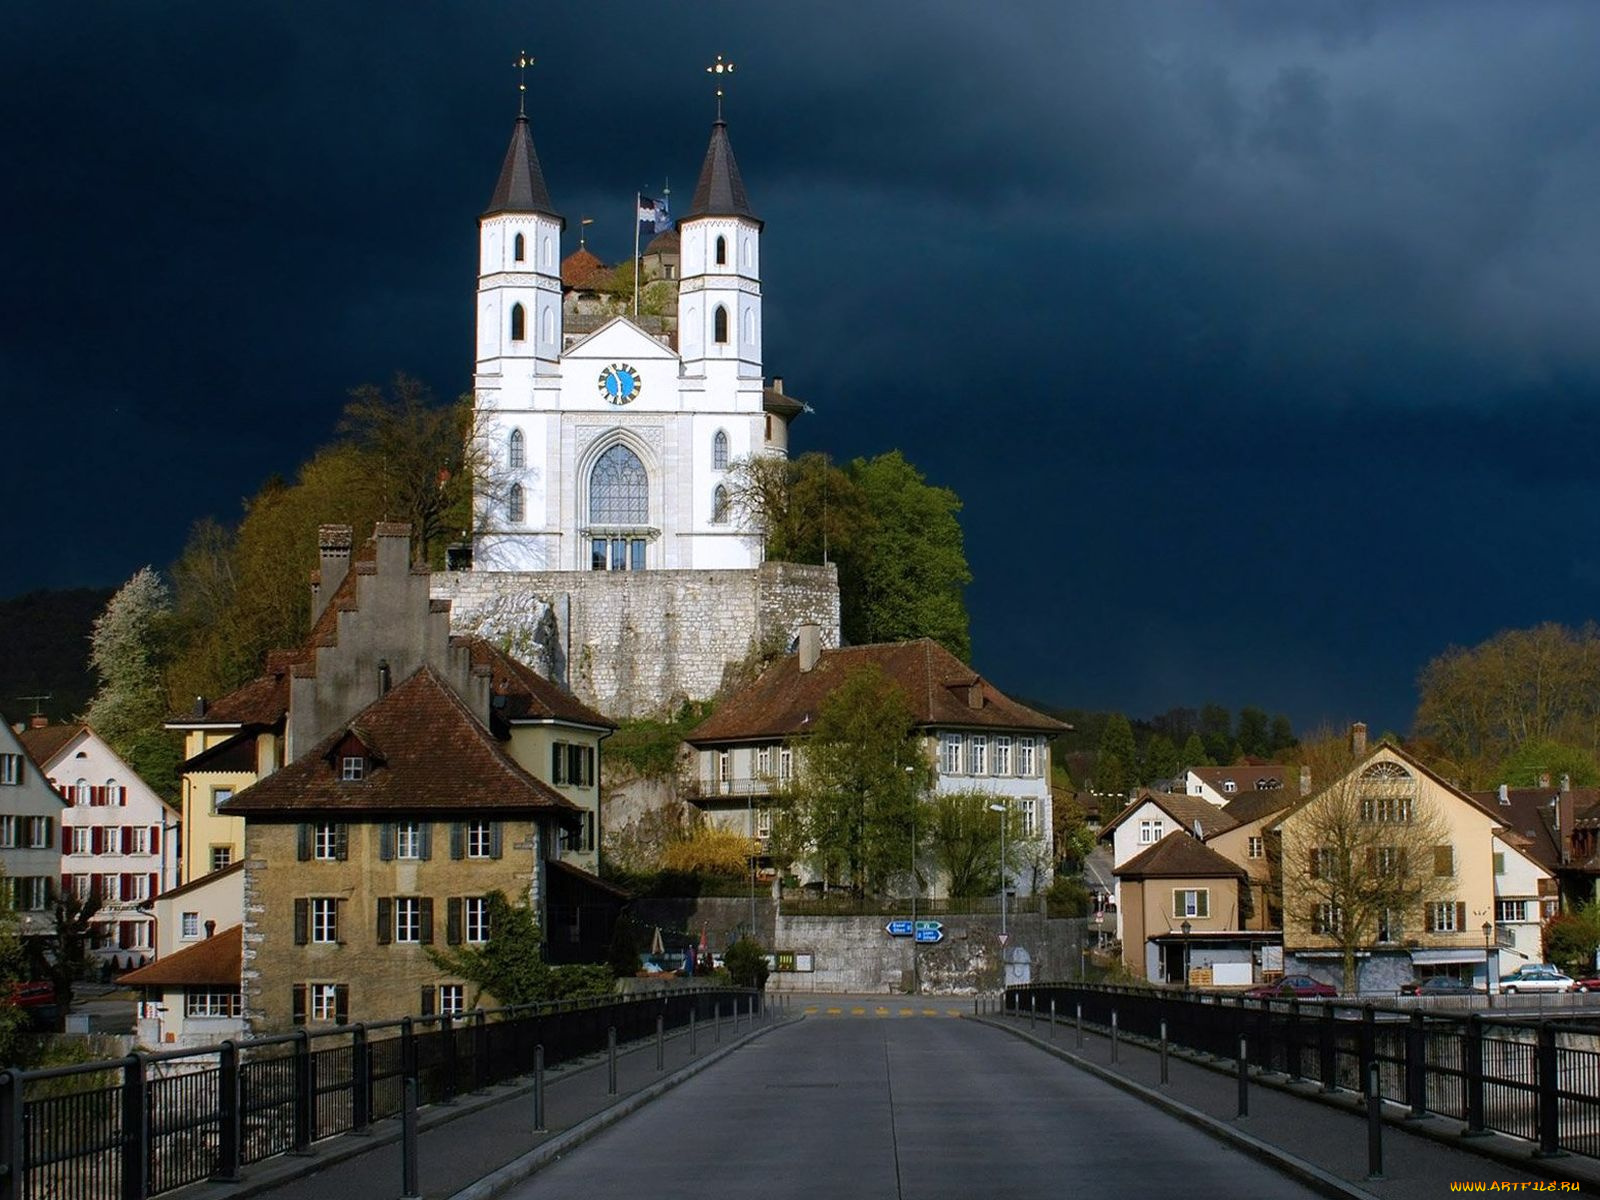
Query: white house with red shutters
x=117 y=836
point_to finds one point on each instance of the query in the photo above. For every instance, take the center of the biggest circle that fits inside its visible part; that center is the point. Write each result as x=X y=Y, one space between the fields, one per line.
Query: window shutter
x=1372 y=861
x=299 y=1004
x=303 y=843
x=452 y=921
x=97 y=840
x=338 y=921
x=66 y=840
x=1461 y=916
x=341 y=842
x=457 y=839
x=155 y=886
x=588 y=766
x=386 y=833
x=557 y=764
x=427 y=920
x=427 y=840
x=426 y=1006
x=1315 y=864
x=385 y=920
x=302 y=921
x=341 y=1004
x=1427 y=918
x=494 y=839
x=125 y=887
x=155 y=839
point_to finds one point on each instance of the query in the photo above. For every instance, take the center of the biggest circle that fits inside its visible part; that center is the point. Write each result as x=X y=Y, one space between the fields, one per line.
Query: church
x=611 y=453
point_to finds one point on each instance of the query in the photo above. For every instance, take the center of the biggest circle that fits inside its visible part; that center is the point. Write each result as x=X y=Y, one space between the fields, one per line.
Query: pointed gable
x=1179 y=856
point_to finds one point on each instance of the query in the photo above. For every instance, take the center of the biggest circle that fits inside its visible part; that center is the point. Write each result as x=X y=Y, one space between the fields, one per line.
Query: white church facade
x=613 y=453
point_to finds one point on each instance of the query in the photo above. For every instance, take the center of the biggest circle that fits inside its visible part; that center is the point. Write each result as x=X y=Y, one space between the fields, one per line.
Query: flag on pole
x=653 y=217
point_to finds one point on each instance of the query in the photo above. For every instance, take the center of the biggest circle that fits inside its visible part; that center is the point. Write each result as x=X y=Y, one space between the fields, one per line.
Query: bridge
x=893 y=1097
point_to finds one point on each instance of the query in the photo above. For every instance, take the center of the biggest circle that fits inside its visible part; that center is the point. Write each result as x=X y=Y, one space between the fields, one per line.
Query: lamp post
x=1186 y=927
x=1001 y=809
x=1488 y=983
x=916 y=979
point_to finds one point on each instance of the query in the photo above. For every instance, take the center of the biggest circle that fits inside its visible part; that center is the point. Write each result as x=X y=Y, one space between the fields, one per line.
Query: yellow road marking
x=881 y=1011
x=930 y=1012
x=858 y=1012
x=834 y=1012
x=811 y=1010
x=908 y=1012
x=952 y=1012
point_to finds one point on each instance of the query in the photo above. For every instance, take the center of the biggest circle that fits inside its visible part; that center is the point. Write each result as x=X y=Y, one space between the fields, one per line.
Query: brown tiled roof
x=780 y=404
x=785 y=699
x=429 y=752
x=262 y=701
x=214 y=962
x=210 y=877
x=528 y=695
x=1178 y=856
x=579 y=268
x=1252 y=806
x=1185 y=810
x=1529 y=812
x=1246 y=778
x=580 y=876
x=1416 y=764
x=665 y=242
x=44 y=744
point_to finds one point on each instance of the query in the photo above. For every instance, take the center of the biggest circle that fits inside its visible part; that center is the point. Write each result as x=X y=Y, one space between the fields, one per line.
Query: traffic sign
x=1004 y=938
x=899 y=929
x=921 y=925
x=930 y=935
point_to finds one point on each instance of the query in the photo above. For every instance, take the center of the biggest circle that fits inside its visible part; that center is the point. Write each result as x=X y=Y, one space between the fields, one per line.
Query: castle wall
x=636 y=644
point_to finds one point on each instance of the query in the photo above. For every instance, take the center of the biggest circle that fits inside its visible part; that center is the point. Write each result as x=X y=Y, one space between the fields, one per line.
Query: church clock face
x=619 y=383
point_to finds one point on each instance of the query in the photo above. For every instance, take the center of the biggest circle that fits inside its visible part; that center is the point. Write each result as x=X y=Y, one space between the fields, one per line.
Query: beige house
x=190 y=995
x=1181 y=914
x=1250 y=844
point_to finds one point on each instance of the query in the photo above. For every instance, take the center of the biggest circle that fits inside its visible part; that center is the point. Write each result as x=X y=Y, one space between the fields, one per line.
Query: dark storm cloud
x=1255 y=336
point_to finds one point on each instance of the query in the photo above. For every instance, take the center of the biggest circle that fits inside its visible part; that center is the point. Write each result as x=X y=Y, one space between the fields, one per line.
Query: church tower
x=719 y=295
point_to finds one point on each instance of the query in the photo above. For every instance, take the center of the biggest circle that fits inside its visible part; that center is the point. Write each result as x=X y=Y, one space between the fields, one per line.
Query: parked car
x=1586 y=983
x=1291 y=986
x=1537 y=979
x=1437 y=985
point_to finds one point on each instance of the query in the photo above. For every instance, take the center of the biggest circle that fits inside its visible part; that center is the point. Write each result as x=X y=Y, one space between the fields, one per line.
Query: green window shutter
x=494 y=839
x=427 y=920
x=302 y=921
x=339 y=921
x=302 y=846
x=341 y=842
x=452 y=921
x=299 y=1004
x=385 y=920
x=557 y=764
x=426 y=838
x=386 y=833
x=425 y=1007
x=458 y=839
x=588 y=766
x=341 y=1004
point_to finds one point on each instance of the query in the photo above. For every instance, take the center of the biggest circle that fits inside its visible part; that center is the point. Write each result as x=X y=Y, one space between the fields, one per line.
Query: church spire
x=521 y=188
x=720 y=192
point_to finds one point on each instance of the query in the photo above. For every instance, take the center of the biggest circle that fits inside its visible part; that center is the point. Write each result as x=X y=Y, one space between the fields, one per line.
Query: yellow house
x=1391 y=869
x=1181 y=915
x=1251 y=845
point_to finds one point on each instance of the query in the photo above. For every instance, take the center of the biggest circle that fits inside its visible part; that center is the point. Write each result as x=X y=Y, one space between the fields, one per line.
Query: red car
x=1291 y=986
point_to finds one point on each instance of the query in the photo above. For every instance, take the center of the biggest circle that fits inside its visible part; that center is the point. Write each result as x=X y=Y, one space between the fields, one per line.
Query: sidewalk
x=1326 y=1133
x=455 y=1152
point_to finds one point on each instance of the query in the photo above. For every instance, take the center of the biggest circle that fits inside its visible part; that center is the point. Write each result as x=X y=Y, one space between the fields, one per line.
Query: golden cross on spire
x=524 y=61
x=719 y=69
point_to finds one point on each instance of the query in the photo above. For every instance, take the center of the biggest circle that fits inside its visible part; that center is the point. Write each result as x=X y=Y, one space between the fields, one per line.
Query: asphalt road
x=910 y=1108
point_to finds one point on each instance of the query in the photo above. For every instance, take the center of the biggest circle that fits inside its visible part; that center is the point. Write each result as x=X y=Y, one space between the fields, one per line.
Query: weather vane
x=719 y=69
x=524 y=61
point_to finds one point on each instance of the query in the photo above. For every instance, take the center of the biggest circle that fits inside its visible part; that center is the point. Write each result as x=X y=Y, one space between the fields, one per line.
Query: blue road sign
x=930 y=935
x=899 y=928
x=921 y=925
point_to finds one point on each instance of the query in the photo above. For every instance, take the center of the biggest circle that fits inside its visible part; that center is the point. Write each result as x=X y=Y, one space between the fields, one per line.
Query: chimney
x=211 y=928
x=1544 y=779
x=975 y=694
x=383 y=677
x=199 y=706
x=1305 y=781
x=1566 y=783
x=1505 y=794
x=394 y=547
x=777 y=384
x=809 y=644
x=333 y=549
x=1565 y=813
x=40 y=721
x=1358 y=739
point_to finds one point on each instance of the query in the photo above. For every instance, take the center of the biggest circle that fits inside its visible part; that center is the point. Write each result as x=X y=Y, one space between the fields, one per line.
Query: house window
x=476 y=911
x=1444 y=860
x=516 y=505
x=724 y=767
x=82 y=793
x=519 y=323
x=352 y=768
x=722 y=251
x=950 y=754
x=1149 y=832
x=8 y=832
x=141 y=886
x=719 y=326
x=330 y=842
x=1389 y=860
x=407 y=919
x=764 y=762
x=1229 y=785
x=408 y=839
x=1191 y=902
x=517 y=454
x=763 y=823
x=978 y=755
x=11 y=769
x=116 y=797
x=452 y=999
x=719 y=451
x=1389 y=929
x=1510 y=910
x=1002 y=755
x=1442 y=917
x=572 y=766
x=221 y=856
x=82 y=886
x=1030 y=817
x=189 y=926
x=141 y=839
x=220 y=796
x=785 y=765
x=719 y=505
x=39 y=833
x=324 y=920
x=1322 y=863
x=80 y=840
x=32 y=893
x=1390 y=810
x=480 y=839
x=1326 y=918
x=325 y=1002
x=1026 y=763
x=1255 y=847
x=518 y=248
x=213 y=1002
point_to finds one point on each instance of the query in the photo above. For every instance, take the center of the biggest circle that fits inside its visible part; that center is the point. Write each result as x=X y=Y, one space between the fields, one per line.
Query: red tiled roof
x=665 y=242
x=528 y=695
x=215 y=961
x=936 y=684
x=579 y=268
x=1247 y=778
x=1178 y=856
x=1187 y=811
x=44 y=744
x=429 y=753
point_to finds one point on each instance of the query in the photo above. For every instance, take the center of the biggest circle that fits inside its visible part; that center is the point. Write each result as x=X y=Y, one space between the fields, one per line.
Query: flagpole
x=636 y=203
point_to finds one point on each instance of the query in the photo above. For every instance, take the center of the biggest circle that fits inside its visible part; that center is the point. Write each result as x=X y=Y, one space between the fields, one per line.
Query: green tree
x=1571 y=939
x=746 y=962
x=510 y=966
x=13 y=969
x=1281 y=737
x=963 y=842
x=1194 y=754
x=1114 y=770
x=804 y=510
x=128 y=710
x=1160 y=758
x=1525 y=765
x=850 y=809
x=1216 y=731
x=63 y=953
x=1255 y=731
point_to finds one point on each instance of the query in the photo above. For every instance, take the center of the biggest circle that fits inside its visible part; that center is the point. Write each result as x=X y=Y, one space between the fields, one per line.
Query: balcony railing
x=727 y=789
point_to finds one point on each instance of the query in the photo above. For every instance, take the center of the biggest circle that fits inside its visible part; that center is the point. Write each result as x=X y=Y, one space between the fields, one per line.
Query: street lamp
x=916 y=980
x=1488 y=987
x=1186 y=927
x=1001 y=809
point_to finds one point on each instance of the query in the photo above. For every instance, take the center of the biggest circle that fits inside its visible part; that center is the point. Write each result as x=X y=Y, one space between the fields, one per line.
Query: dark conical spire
x=720 y=192
x=521 y=187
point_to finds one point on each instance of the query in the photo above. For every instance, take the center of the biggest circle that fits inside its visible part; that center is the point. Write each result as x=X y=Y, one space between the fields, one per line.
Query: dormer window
x=352 y=768
x=1229 y=785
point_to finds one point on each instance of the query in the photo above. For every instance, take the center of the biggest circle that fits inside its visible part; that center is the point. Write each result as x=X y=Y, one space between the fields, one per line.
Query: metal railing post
x=716 y=1023
x=1473 y=1072
x=1291 y=1048
x=1244 y=1076
x=480 y=1050
x=538 y=1088
x=1328 y=1049
x=360 y=1080
x=305 y=1092
x=135 y=1130
x=1052 y=1018
x=1163 y=1052
x=661 y=1043
x=1033 y=1011
x=1374 y=1121
x=1080 y=1026
x=611 y=1061
x=1417 y=1068
x=1369 y=1040
x=13 y=1137
x=1113 y=1035
x=691 y=1033
x=447 y=1039
x=408 y=1140
x=230 y=1120
x=1549 y=1110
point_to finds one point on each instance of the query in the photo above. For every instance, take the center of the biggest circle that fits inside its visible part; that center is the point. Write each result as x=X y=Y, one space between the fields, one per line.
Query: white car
x=1536 y=979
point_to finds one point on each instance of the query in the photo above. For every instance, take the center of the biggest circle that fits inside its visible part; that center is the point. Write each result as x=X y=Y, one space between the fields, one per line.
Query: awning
x=1429 y=958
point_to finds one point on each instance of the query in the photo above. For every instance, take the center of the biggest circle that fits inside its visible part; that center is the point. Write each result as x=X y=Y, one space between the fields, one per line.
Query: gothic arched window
x=519 y=248
x=722 y=251
x=719 y=326
x=719 y=451
x=515 y=507
x=519 y=321
x=619 y=489
x=719 y=506
x=516 y=455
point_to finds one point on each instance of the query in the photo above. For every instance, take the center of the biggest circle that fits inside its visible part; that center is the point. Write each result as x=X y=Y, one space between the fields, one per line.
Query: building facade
x=30 y=845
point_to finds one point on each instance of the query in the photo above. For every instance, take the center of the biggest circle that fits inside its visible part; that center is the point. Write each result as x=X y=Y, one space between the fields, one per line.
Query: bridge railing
x=1532 y=1079
x=134 y=1127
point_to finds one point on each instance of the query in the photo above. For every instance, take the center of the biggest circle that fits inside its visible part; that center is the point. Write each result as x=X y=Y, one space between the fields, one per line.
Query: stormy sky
x=1256 y=337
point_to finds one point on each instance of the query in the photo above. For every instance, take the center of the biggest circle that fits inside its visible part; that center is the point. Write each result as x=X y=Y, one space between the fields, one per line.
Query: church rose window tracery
x=619 y=503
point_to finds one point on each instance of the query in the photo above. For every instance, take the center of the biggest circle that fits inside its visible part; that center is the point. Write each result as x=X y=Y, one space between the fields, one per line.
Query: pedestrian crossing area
x=877 y=1010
